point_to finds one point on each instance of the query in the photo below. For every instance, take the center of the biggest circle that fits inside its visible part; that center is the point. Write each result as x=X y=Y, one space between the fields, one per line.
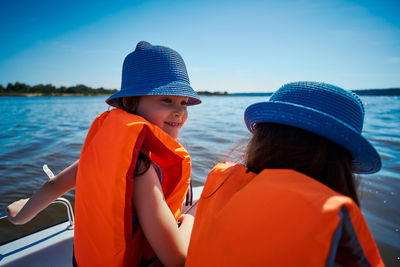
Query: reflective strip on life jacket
x=277 y=218
x=104 y=186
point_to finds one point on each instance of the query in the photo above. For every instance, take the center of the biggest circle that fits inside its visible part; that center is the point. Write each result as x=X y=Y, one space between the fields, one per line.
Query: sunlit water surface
x=51 y=130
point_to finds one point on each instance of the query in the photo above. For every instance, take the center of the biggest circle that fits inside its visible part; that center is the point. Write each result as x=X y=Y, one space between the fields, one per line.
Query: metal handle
x=70 y=211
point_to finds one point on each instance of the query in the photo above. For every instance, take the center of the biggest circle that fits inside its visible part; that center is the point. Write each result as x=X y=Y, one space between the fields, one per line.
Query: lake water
x=51 y=130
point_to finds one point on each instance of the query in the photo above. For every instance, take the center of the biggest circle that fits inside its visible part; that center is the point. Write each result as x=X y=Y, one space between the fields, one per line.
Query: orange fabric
x=104 y=184
x=276 y=218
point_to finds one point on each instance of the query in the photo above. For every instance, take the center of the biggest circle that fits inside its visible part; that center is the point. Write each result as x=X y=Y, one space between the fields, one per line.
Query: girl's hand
x=190 y=209
x=186 y=219
x=185 y=227
x=14 y=209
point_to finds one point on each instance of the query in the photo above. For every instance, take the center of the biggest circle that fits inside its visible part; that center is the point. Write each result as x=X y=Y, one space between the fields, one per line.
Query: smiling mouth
x=174 y=124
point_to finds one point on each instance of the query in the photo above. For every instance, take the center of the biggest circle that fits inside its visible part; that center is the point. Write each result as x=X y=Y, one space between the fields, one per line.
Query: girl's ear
x=130 y=103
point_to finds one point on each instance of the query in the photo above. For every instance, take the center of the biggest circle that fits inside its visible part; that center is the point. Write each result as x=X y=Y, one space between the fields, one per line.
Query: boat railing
x=61 y=200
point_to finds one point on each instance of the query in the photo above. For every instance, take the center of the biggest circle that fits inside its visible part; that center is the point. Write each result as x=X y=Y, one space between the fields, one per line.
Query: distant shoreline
x=40 y=94
x=372 y=92
x=361 y=92
x=21 y=89
x=379 y=92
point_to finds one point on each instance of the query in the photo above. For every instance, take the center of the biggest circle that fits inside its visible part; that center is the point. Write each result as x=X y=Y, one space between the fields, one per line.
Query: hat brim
x=365 y=158
x=173 y=88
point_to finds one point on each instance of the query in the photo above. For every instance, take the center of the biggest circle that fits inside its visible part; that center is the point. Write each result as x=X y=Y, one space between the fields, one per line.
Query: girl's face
x=167 y=112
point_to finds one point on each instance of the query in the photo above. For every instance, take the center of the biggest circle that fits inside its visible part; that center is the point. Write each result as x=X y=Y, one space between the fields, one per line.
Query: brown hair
x=277 y=146
x=130 y=104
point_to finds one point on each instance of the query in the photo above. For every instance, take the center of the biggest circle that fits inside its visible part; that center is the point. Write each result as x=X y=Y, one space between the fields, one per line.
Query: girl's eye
x=184 y=103
x=166 y=100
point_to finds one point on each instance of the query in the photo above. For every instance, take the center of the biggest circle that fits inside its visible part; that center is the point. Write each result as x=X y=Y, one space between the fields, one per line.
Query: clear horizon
x=234 y=46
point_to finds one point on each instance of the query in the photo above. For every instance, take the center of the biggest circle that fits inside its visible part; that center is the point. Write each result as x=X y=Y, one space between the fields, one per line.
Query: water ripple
x=51 y=130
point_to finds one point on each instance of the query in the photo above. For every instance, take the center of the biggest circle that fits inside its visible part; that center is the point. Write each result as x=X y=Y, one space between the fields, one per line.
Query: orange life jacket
x=277 y=218
x=104 y=234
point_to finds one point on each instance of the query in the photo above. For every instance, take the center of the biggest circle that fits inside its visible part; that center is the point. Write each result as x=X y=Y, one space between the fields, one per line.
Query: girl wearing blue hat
x=132 y=175
x=294 y=201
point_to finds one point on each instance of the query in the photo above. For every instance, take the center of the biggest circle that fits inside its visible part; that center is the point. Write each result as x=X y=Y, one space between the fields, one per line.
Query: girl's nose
x=179 y=111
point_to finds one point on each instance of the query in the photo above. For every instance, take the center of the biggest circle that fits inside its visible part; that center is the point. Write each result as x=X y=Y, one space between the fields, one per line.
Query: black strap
x=189 y=195
x=73 y=258
x=152 y=260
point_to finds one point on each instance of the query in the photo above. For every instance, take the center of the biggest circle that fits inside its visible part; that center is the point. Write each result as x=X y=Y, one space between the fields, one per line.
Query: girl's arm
x=24 y=210
x=169 y=242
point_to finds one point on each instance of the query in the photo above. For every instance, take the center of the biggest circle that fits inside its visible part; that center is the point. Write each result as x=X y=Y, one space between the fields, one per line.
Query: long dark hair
x=130 y=104
x=277 y=146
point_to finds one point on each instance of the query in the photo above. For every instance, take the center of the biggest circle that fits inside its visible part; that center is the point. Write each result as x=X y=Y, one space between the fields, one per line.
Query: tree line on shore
x=381 y=92
x=50 y=90
x=21 y=89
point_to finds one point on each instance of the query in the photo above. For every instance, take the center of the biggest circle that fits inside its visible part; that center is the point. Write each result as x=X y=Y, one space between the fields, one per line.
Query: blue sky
x=234 y=46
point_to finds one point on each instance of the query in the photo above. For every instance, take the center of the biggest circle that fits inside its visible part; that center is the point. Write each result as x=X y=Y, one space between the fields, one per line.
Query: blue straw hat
x=323 y=109
x=154 y=70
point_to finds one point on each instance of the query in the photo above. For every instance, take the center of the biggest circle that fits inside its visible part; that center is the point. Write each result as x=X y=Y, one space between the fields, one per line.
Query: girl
x=132 y=175
x=294 y=201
